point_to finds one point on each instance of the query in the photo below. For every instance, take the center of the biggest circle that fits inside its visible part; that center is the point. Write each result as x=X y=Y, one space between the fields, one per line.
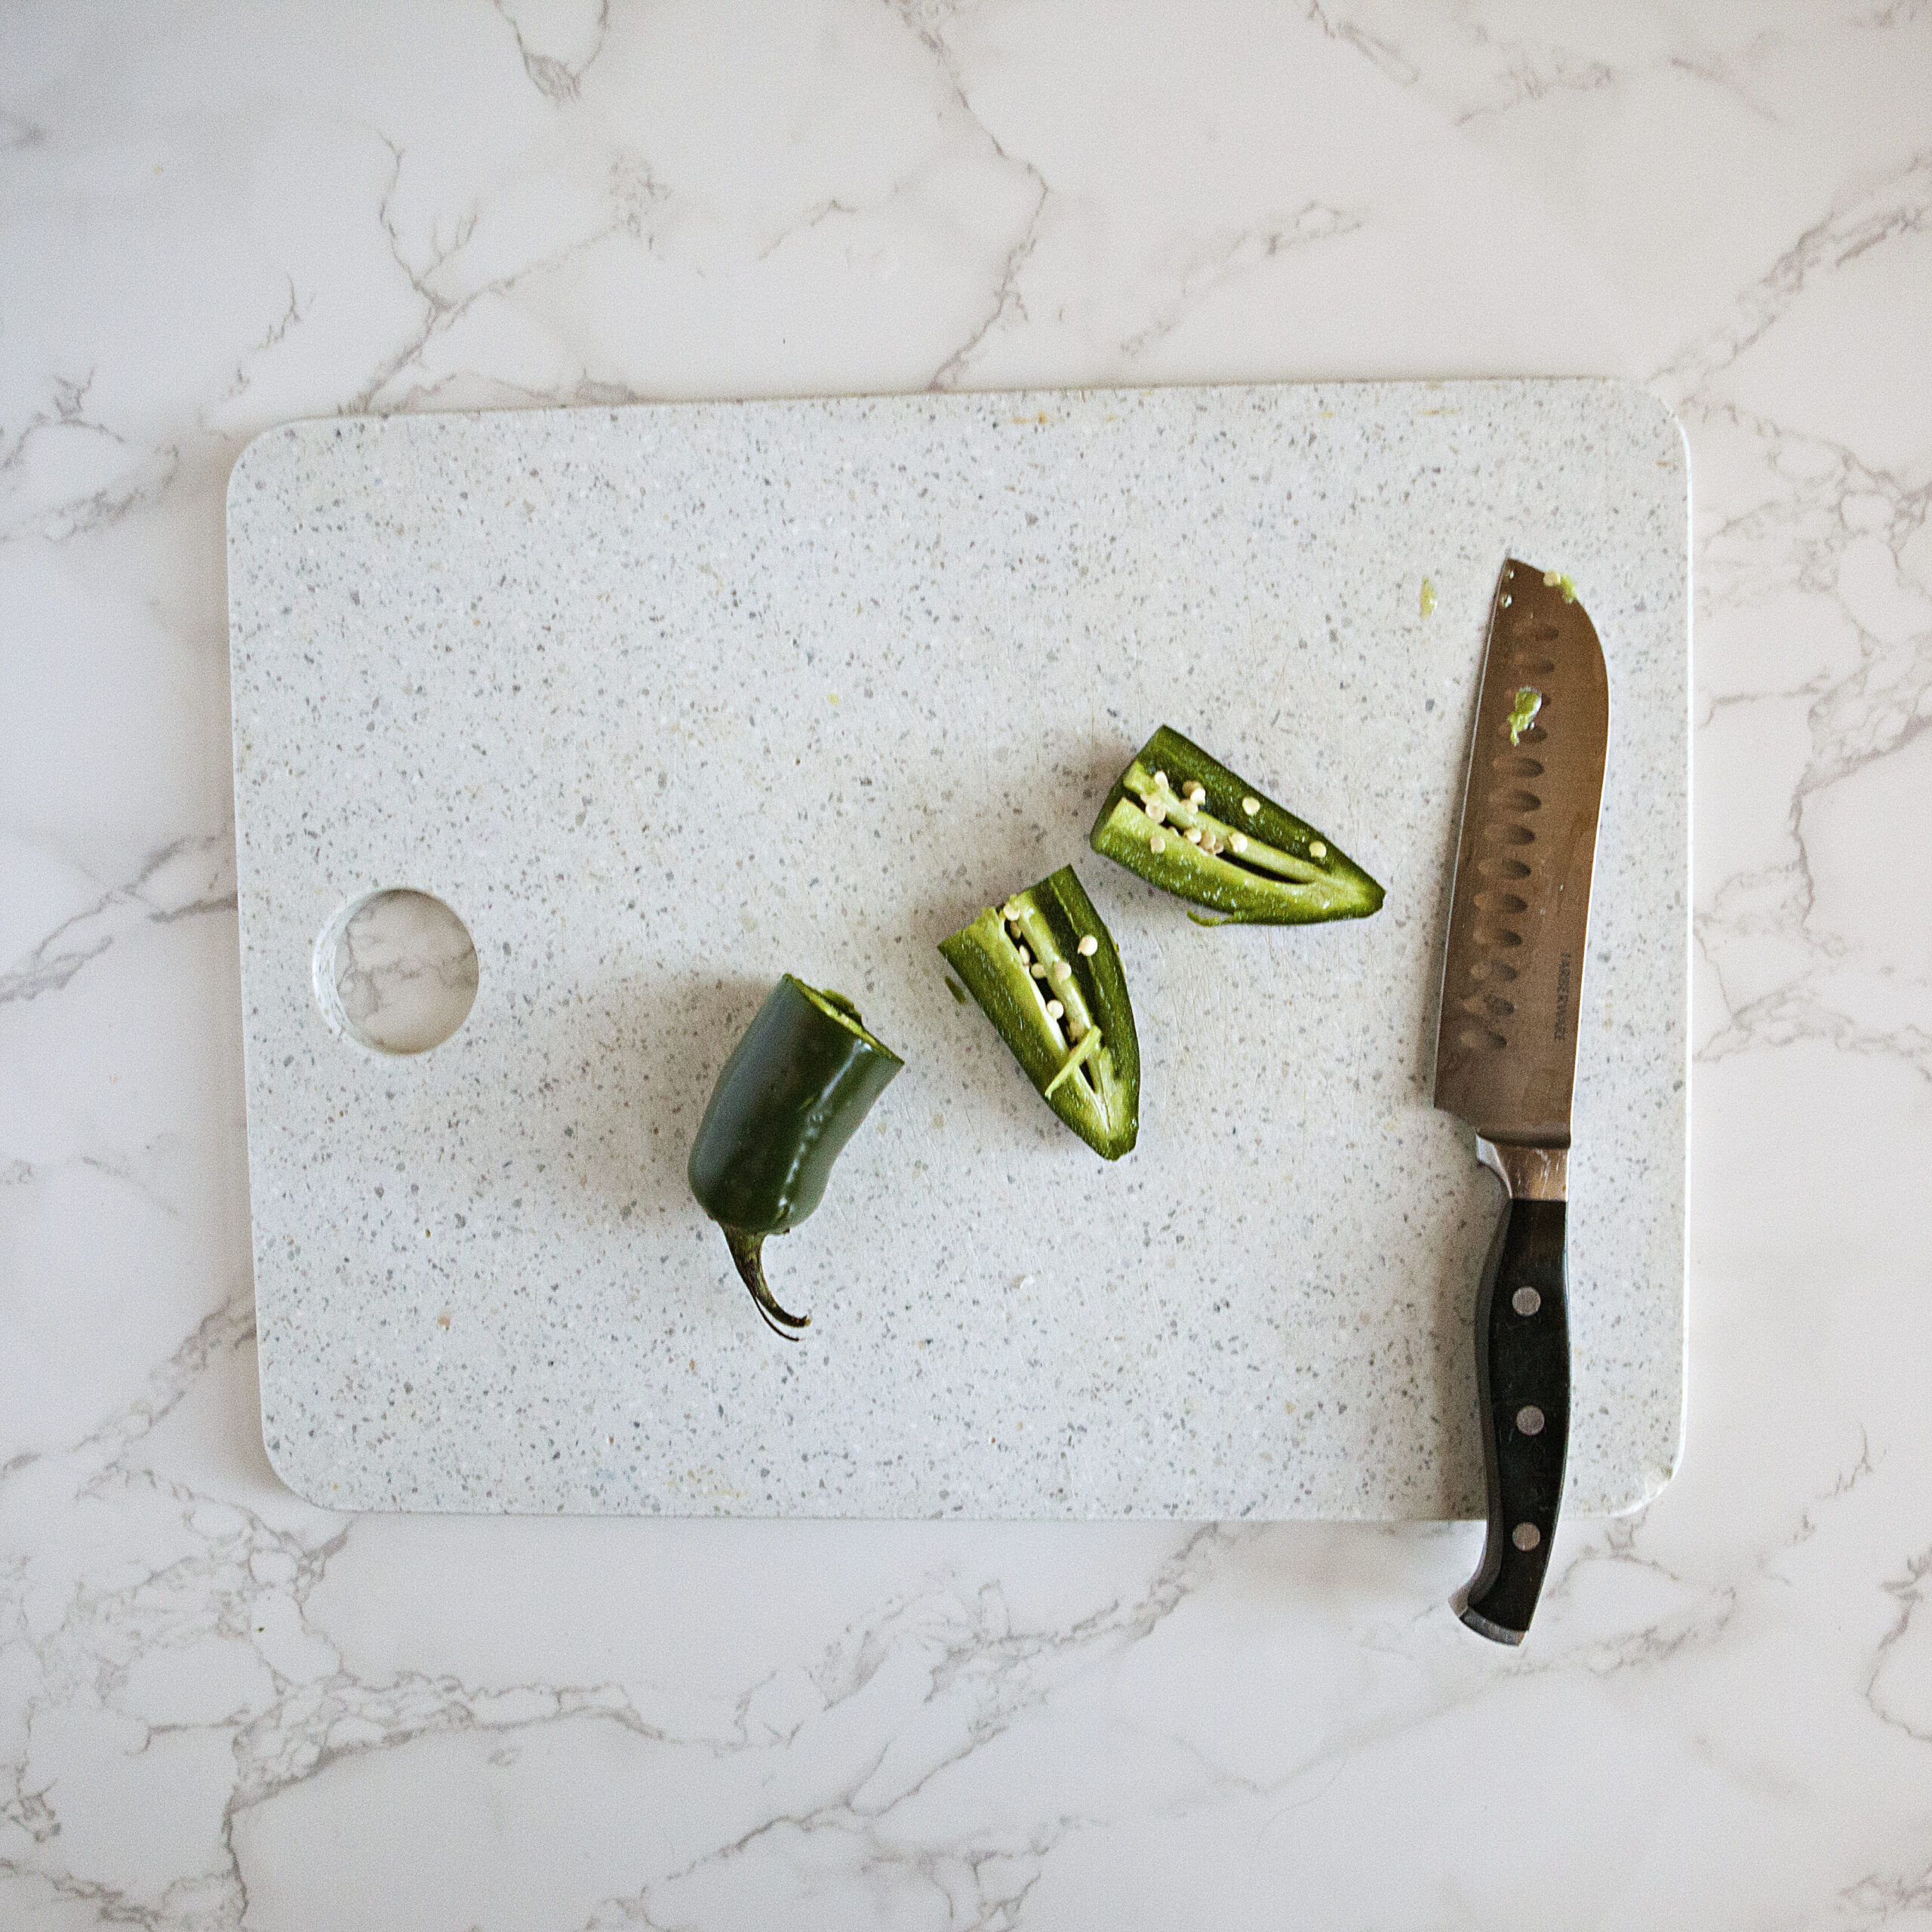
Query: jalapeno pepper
x=793 y=1093
x=1184 y=822
x=1044 y=969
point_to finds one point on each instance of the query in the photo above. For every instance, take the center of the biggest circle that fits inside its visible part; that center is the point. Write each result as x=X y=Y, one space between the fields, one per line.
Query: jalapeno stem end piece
x=794 y=1091
x=748 y=1253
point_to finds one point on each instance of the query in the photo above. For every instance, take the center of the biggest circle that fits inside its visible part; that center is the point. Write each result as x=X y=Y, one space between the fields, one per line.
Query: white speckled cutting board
x=666 y=701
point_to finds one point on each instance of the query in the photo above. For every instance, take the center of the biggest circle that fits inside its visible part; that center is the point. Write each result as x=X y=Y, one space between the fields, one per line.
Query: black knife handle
x=1523 y=1400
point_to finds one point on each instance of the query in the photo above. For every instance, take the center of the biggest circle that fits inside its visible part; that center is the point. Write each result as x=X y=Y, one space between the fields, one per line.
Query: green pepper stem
x=747 y=1252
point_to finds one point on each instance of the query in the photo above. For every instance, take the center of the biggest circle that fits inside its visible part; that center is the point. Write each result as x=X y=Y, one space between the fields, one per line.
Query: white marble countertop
x=221 y=1706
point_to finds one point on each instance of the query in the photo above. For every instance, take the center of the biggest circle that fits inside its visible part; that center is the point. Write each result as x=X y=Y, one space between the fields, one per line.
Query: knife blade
x=1505 y=1048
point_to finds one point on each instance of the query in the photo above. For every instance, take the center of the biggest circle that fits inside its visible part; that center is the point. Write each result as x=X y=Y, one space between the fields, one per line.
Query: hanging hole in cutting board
x=395 y=971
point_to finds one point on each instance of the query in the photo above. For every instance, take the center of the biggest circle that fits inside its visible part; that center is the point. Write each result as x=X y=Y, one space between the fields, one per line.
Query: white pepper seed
x=1161 y=779
x=1039 y=971
x=1238 y=840
x=1195 y=793
x=1251 y=806
x=1088 y=945
x=1062 y=972
x=1054 y=1010
x=1193 y=835
x=1157 y=812
x=1318 y=851
x=1157 y=845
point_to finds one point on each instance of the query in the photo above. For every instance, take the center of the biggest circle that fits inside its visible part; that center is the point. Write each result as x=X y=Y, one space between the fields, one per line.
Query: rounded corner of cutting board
x=307 y=1486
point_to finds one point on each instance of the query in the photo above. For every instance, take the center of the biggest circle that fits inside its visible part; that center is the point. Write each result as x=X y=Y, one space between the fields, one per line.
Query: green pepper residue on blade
x=1044 y=969
x=1523 y=713
x=1184 y=822
x=793 y=1093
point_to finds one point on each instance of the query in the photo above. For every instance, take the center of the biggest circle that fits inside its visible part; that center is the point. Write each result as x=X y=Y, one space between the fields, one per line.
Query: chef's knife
x=1505 y=1048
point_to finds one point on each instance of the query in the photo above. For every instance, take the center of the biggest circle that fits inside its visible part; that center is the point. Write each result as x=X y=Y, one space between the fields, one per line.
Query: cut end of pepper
x=836 y=1006
x=748 y=1253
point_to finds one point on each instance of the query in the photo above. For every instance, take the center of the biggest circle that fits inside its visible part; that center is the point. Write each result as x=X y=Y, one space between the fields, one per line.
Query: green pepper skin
x=793 y=1093
x=1289 y=875
x=1094 y=1088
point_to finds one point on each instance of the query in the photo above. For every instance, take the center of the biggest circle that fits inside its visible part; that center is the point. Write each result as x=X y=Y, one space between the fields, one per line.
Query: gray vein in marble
x=187 y=879
x=1910 y=1591
x=821 y=211
x=278 y=331
x=1005 y=300
x=1003 y=1674
x=556 y=79
x=224 y=1330
x=1456 y=55
x=139 y=474
x=1861 y=218
x=634 y=192
x=1716 y=70
x=1808 y=1521
x=1892 y=13
x=1385 y=56
x=1218 y=258
x=1696 y=1626
x=1884 y=1899
x=1883 y=704
x=1532 y=74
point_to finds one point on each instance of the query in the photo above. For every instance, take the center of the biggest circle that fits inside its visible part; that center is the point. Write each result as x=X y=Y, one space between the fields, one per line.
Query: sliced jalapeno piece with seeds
x=793 y=1093
x=1184 y=822
x=1044 y=969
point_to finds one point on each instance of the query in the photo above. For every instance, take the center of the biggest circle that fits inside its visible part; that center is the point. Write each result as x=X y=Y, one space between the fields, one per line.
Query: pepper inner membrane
x=1174 y=811
x=1036 y=952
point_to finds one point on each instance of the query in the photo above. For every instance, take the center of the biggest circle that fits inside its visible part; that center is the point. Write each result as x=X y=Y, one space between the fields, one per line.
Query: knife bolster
x=1528 y=1173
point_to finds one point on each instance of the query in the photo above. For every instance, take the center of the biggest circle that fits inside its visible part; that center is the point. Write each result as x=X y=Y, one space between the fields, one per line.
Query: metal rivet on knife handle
x=1526 y=1536
x=1530 y=1418
x=1526 y=1301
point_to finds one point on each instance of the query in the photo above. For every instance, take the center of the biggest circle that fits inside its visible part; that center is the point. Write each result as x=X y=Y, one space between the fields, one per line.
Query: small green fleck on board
x=958 y=991
x=1428 y=597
